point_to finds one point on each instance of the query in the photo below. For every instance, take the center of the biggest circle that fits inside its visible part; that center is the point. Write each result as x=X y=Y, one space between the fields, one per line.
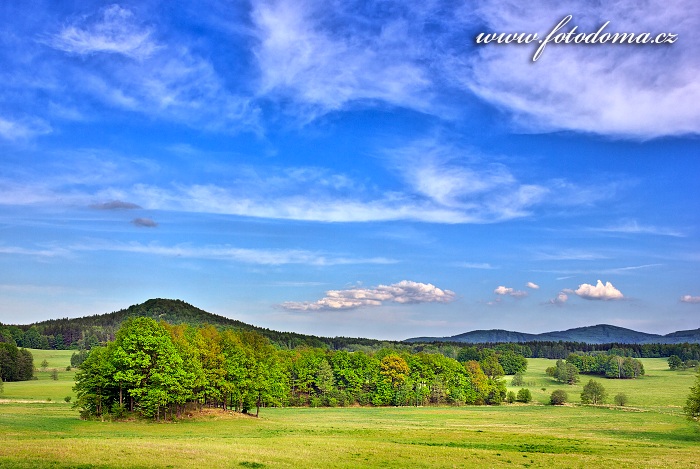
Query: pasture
x=650 y=432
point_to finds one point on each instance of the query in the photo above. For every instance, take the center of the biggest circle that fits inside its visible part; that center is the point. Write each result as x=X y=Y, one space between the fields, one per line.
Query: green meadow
x=650 y=432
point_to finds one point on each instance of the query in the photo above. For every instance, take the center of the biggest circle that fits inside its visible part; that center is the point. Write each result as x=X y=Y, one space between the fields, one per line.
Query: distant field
x=44 y=387
x=651 y=433
x=660 y=388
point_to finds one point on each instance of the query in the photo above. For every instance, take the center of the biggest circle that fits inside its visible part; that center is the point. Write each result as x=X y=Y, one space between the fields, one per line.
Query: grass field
x=650 y=433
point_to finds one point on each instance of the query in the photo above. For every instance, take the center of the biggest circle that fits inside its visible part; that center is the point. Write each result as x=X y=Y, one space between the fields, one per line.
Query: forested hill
x=600 y=334
x=88 y=331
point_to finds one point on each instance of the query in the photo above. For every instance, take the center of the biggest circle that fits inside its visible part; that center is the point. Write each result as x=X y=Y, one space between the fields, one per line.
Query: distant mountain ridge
x=598 y=334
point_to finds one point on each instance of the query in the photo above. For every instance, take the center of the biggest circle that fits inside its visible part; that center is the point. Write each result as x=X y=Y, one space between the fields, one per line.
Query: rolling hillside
x=599 y=334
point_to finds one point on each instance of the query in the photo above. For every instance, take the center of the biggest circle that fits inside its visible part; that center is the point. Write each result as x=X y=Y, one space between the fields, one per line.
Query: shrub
x=524 y=395
x=510 y=397
x=68 y=368
x=558 y=397
x=517 y=380
x=621 y=399
x=54 y=375
x=67 y=398
x=118 y=411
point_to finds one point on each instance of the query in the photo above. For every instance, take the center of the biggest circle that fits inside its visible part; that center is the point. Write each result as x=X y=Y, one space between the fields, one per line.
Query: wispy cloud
x=49 y=252
x=475 y=265
x=115 y=205
x=325 y=59
x=22 y=129
x=114 y=31
x=234 y=254
x=157 y=79
x=568 y=255
x=607 y=89
x=633 y=227
x=532 y=285
x=404 y=292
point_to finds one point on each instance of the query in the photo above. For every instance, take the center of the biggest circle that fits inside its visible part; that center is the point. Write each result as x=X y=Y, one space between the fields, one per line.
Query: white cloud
x=230 y=253
x=404 y=292
x=114 y=32
x=157 y=79
x=476 y=265
x=502 y=290
x=532 y=285
x=633 y=227
x=560 y=299
x=324 y=57
x=599 y=291
x=690 y=299
x=22 y=129
x=603 y=88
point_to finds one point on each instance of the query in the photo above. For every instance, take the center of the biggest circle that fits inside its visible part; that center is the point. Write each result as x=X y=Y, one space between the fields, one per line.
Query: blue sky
x=351 y=168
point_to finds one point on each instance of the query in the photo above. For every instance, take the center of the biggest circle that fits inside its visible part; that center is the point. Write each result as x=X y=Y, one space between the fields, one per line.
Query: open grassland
x=650 y=433
x=45 y=387
x=659 y=389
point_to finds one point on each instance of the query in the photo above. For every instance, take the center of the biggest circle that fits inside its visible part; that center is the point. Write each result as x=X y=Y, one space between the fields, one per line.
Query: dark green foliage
x=692 y=405
x=524 y=395
x=593 y=393
x=621 y=399
x=44 y=364
x=610 y=366
x=491 y=366
x=78 y=358
x=67 y=398
x=558 y=397
x=156 y=370
x=512 y=362
x=15 y=364
x=54 y=375
x=564 y=372
x=676 y=363
x=2 y=387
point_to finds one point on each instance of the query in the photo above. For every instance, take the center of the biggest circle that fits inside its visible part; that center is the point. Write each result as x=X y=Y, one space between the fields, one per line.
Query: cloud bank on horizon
x=241 y=154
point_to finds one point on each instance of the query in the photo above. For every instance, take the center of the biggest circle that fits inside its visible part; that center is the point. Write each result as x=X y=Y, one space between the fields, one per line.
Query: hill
x=599 y=334
x=89 y=331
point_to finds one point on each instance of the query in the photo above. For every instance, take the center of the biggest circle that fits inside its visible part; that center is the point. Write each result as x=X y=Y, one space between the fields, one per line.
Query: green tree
x=621 y=399
x=675 y=362
x=512 y=362
x=54 y=374
x=510 y=397
x=517 y=380
x=593 y=393
x=692 y=404
x=524 y=395
x=94 y=384
x=148 y=366
x=394 y=369
x=558 y=397
x=44 y=364
x=491 y=367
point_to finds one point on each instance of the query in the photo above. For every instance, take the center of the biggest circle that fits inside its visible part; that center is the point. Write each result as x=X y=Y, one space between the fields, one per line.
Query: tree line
x=91 y=331
x=161 y=370
x=16 y=364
